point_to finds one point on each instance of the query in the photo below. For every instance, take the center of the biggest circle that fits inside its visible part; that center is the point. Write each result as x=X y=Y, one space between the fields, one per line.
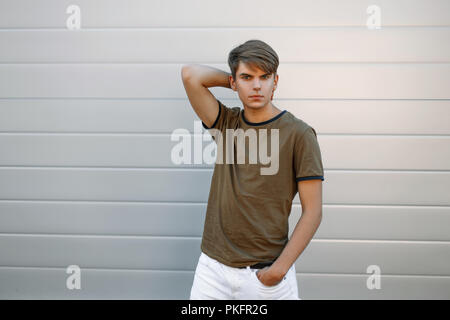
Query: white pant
x=217 y=281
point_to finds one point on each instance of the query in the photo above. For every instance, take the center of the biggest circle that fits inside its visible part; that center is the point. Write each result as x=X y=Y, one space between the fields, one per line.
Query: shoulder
x=226 y=117
x=298 y=126
x=230 y=110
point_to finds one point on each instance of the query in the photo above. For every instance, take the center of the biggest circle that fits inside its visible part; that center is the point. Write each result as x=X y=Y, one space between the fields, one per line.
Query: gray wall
x=85 y=121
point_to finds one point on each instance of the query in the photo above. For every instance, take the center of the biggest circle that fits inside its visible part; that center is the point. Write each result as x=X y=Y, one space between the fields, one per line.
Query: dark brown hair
x=254 y=53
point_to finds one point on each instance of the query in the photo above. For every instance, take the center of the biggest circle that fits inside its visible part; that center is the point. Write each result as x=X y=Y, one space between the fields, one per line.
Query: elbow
x=185 y=72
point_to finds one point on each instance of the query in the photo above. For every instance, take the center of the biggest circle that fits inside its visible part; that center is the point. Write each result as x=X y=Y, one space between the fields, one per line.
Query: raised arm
x=196 y=80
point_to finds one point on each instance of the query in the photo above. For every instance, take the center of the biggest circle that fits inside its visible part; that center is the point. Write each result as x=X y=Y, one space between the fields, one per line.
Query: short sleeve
x=307 y=157
x=224 y=117
x=218 y=123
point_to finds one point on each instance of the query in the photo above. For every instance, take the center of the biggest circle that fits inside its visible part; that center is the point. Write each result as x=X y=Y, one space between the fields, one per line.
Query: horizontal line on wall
x=186 y=28
x=131 y=202
x=215 y=62
x=219 y=62
x=75 y=235
x=197 y=202
x=191 y=133
x=108 y=168
x=193 y=270
x=106 y=201
x=207 y=169
x=68 y=235
x=220 y=98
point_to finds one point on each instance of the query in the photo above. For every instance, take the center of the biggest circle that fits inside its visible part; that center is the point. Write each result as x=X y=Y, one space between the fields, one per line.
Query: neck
x=261 y=114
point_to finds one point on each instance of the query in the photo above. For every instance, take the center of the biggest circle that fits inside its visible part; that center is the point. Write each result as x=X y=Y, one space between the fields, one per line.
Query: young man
x=245 y=250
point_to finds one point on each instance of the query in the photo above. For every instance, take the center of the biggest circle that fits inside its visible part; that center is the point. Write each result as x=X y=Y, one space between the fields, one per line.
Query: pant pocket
x=281 y=291
x=263 y=286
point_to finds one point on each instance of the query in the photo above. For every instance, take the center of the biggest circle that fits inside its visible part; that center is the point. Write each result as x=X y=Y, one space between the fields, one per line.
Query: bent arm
x=206 y=75
x=196 y=80
x=310 y=193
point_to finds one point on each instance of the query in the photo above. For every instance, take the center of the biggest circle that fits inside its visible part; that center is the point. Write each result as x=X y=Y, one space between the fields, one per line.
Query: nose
x=257 y=84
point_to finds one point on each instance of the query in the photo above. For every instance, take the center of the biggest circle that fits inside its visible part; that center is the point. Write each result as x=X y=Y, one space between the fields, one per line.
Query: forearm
x=208 y=76
x=301 y=236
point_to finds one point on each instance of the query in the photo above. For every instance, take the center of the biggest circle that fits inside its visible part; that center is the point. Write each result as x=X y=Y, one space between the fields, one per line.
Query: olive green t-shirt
x=247 y=213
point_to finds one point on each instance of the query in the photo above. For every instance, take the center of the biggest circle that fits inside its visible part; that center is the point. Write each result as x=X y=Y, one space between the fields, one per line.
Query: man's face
x=253 y=81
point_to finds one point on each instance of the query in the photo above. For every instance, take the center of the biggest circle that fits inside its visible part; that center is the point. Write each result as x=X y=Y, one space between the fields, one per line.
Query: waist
x=259 y=265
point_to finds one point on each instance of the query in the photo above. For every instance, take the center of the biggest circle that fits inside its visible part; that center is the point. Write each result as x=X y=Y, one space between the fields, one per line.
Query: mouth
x=256 y=97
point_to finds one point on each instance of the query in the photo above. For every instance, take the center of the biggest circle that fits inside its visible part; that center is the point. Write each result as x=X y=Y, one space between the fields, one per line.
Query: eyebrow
x=246 y=74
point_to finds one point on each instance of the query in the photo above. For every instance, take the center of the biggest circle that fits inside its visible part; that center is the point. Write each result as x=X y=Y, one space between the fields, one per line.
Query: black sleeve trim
x=309 y=178
x=217 y=119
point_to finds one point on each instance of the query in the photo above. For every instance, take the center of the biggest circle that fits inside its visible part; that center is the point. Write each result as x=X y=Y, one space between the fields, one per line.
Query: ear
x=232 y=83
x=275 y=82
